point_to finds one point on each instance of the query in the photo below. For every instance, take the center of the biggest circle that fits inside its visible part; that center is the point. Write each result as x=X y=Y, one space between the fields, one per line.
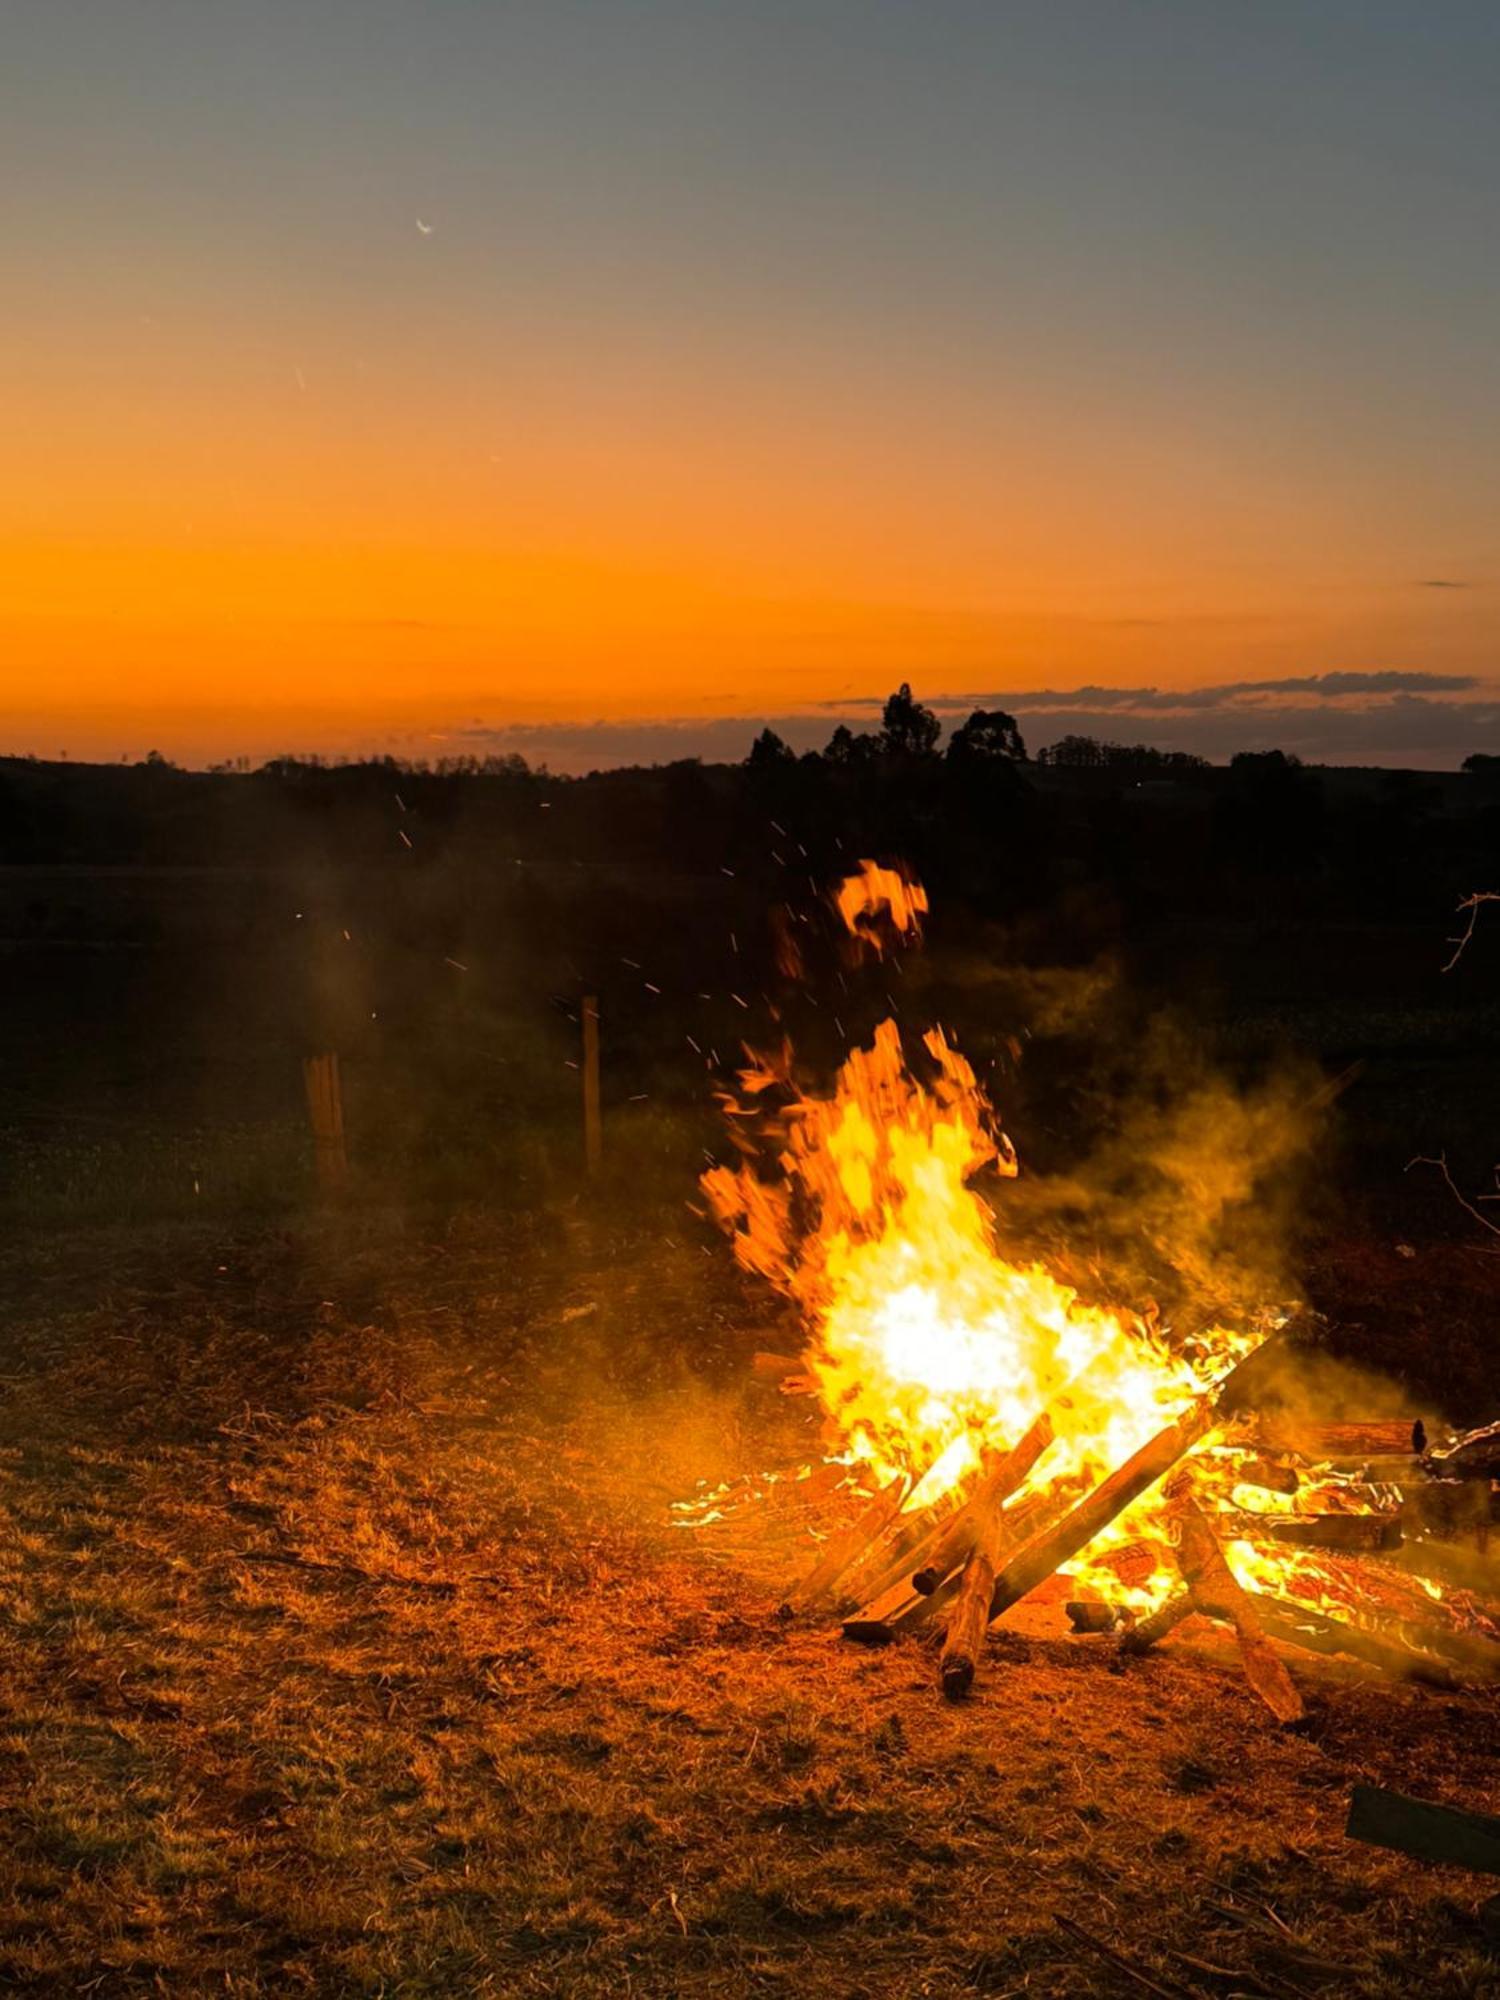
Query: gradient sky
x=760 y=355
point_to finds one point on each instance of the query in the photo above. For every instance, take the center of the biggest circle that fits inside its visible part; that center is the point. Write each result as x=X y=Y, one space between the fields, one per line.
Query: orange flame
x=862 y=899
x=927 y=1345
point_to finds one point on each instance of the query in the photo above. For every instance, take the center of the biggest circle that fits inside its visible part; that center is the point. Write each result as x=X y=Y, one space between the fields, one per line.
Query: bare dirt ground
x=346 y=1647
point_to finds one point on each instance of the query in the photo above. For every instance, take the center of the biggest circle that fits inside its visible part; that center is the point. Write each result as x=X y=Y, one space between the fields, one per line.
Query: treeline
x=1084 y=836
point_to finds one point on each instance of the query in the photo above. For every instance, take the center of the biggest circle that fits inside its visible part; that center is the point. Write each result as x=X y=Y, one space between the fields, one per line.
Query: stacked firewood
x=1396 y=1557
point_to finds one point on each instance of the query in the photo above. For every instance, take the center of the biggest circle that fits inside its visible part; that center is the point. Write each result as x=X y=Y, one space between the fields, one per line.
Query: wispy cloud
x=1444 y=583
x=1386 y=717
x=1336 y=686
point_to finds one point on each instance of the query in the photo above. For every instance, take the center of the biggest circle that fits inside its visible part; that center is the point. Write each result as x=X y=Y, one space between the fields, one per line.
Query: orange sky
x=262 y=557
x=739 y=372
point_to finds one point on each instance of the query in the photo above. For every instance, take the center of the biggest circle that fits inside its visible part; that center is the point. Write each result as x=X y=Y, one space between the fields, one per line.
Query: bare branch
x=1441 y=1163
x=1472 y=904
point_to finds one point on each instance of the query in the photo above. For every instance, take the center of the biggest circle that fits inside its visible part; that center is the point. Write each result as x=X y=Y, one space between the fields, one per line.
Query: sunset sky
x=600 y=380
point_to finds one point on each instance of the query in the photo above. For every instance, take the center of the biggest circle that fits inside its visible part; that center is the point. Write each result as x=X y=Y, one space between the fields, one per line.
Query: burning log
x=850 y=1542
x=1384 y=1437
x=1078 y=1527
x=937 y=1543
x=1351 y=1533
x=1473 y=1456
x=1055 y=1546
x=910 y=1603
x=995 y=1486
x=1214 y=1591
x=1296 y=1625
x=889 y=1562
x=1151 y=1630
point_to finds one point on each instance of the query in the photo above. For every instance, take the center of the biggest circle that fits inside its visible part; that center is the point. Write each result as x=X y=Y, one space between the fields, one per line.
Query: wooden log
x=1154 y=1627
x=1215 y=1590
x=1056 y=1545
x=892 y=1556
x=917 y=1566
x=1380 y=1436
x=1000 y=1475
x=1091 y=1615
x=1427 y=1832
x=1350 y=1533
x=971 y=1611
x=904 y=1608
x=1049 y=1550
x=1295 y=1625
x=1476 y=1455
x=846 y=1543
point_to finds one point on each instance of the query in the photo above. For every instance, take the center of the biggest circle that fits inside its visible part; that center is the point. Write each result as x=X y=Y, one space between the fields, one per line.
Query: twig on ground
x=1120 y=1962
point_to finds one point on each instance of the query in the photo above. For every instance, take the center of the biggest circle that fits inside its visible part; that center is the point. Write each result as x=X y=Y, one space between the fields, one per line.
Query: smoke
x=1187 y=1189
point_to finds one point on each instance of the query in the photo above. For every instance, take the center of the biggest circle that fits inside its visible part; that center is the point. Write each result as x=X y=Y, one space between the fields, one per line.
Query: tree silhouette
x=910 y=729
x=989 y=733
x=769 y=750
x=846 y=750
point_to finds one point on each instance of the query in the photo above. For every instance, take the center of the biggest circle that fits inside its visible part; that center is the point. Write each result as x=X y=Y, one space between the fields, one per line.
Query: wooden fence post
x=325 y=1111
x=593 y=1141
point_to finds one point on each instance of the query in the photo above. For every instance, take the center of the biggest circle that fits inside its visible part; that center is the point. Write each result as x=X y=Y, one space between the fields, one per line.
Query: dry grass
x=345 y=1650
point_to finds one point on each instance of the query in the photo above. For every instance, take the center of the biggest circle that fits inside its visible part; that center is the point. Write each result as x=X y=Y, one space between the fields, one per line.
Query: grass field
x=347 y=1648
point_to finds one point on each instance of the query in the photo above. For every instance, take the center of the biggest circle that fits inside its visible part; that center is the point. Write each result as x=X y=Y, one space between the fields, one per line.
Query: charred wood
x=1091 y=1615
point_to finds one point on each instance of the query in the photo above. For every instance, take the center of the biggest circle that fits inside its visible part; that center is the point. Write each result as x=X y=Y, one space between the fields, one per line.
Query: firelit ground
x=345 y=1648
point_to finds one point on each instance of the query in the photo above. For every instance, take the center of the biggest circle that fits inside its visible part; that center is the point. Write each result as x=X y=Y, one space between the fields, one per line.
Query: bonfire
x=990 y=1432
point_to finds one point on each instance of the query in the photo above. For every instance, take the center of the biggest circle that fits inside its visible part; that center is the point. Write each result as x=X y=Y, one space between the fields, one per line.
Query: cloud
x=1341 y=717
x=1443 y=583
x=1332 y=686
